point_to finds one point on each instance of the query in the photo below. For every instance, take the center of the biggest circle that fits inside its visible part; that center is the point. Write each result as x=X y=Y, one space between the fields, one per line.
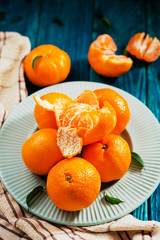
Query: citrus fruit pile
x=78 y=144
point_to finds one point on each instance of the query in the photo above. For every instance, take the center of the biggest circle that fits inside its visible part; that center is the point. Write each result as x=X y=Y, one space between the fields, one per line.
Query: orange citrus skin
x=111 y=157
x=45 y=118
x=119 y=104
x=103 y=60
x=91 y=124
x=73 y=184
x=40 y=152
x=90 y=121
x=144 y=47
x=53 y=67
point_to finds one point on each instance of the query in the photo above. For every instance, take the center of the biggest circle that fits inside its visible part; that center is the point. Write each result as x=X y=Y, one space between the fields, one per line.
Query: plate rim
x=71 y=83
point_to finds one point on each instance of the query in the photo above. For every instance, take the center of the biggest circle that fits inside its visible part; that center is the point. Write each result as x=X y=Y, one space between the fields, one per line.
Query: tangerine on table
x=46 y=65
x=118 y=103
x=144 y=47
x=46 y=118
x=103 y=59
x=111 y=157
x=40 y=152
x=73 y=184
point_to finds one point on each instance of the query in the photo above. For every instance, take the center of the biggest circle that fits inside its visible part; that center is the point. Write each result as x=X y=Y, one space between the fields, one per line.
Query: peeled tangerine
x=144 y=47
x=82 y=122
x=103 y=59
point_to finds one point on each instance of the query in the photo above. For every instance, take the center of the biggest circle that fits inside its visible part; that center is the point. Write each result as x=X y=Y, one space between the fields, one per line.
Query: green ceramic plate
x=142 y=134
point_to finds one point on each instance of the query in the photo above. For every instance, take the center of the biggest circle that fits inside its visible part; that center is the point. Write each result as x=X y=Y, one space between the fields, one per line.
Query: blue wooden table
x=81 y=24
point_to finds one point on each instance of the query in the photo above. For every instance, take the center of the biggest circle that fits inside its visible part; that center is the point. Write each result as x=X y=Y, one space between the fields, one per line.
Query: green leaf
x=35 y=60
x=30 y=197
x=125 y=52
x=138 y=159
x=112 y=200
x=58 y=20
x=106 y=21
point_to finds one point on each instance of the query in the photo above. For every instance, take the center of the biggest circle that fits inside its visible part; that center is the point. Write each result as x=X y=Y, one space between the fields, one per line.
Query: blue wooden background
x=81 y=25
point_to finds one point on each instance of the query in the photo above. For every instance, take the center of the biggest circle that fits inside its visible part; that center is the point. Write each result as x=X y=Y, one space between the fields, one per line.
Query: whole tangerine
x=47 y=65
x=40 y=152
x=111 y=157
x=73 y=184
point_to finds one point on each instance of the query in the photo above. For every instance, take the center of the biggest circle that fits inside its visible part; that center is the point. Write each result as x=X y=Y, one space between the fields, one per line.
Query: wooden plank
x=73 y=36
x=153 y=91
x=127 y=18
x=20 y=16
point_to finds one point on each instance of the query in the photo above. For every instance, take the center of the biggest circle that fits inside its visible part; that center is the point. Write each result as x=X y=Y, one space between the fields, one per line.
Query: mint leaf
x=106 y=21
x=125 y=52
x=138 y=159
x=112 y=200
x=35 y=60
x=58 y=20
x=30 y=197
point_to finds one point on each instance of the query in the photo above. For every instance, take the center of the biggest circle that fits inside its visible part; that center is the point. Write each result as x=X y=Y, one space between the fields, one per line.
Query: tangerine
x=73 y=184
x=40 y=152
x=118 y=103
x=46 y=65
x=81 y=121
x=103 y=59
x=111 y=157
x=46 y=118
x=91 y=122
x=144 y=47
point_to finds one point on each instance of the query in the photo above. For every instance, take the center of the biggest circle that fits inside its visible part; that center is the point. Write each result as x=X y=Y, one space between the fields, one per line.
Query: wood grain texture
x=73 y=36
x=81 y=24
x=20 y=16
x=153 y=92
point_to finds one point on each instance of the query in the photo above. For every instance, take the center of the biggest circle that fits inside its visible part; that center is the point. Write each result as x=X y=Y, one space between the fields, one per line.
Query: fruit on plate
x=119 y=104
x=46 y=118
x=111 y=157
x=82 y=126
x=144 y=47
x=103 y=59
x=40 y=152
x=81 y=119
x=90 y=121
x=47 y=65
x=73 y=184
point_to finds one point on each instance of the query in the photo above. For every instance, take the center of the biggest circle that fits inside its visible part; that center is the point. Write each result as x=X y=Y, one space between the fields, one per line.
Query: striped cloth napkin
x=17 y=223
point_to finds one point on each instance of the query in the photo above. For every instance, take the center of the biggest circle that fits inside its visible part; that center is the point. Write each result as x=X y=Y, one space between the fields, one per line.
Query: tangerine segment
x=105 y=43
x=88 y=97
x=103 y=60
x=144 y=47
x=52 y=66
x=91 y=124
x=73 y=184
x=69 y=142
x=48 y=107
x=119 y=104
x=111 y=157
x=40 y=152
x=153 y=51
